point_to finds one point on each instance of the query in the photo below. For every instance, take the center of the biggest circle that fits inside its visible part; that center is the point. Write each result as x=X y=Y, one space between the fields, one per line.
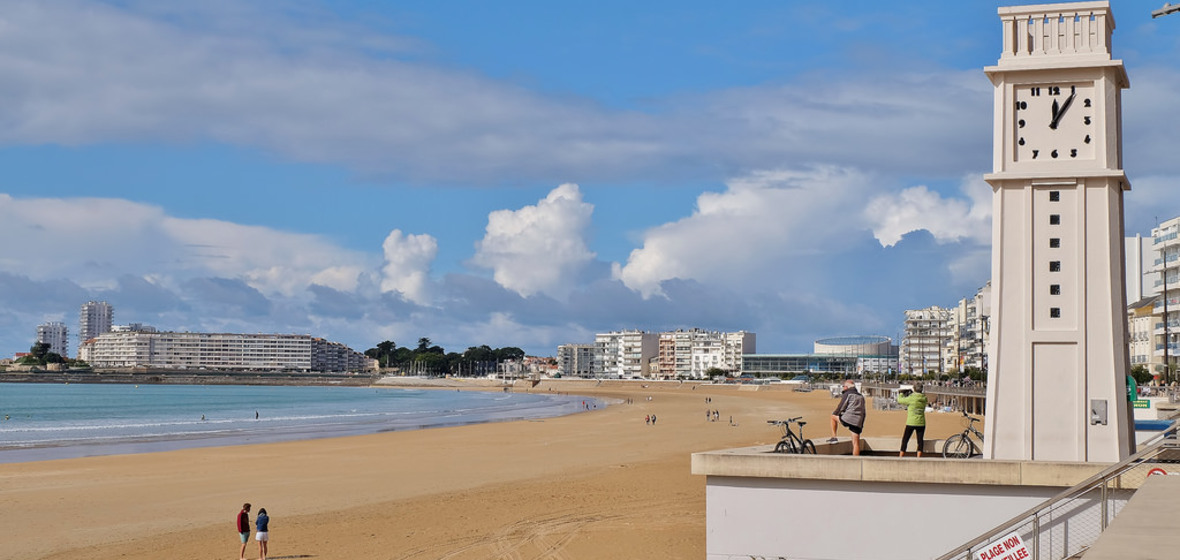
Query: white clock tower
x=1058 y=360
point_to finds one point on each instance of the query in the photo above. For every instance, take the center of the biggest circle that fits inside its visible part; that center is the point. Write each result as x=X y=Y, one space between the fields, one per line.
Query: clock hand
x=1058 y=113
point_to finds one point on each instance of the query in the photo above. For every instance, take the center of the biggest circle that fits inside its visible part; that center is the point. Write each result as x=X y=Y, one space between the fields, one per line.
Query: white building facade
x=94 y=319
x=221 y=352
x=1166 y=282
x=56 y=335
x=927 y=333
x=624 y=354
x=969 y=333
x=691 y=353
x=575 y=360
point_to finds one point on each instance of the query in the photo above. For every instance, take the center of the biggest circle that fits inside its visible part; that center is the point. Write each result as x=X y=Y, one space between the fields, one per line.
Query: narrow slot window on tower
x=1054 y=219
x=1054 y=242
x=1054 y=196
x=1054 y=289
x=1055 y=312
x=1054 y=266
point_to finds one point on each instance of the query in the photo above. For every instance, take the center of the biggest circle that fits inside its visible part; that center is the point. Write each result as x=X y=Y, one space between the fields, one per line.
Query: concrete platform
x=1148 y=527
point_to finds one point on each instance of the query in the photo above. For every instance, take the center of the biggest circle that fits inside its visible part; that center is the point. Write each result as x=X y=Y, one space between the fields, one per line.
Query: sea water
x=53 y=421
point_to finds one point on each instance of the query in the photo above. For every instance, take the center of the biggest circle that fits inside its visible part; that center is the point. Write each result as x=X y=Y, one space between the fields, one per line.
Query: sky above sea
x=517 y=173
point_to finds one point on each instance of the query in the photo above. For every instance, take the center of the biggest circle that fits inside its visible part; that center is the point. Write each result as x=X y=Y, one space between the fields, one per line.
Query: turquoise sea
x=53 y=421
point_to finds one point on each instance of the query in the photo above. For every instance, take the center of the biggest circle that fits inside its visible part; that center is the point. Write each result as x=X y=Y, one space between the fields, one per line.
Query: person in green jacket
x=915 y=418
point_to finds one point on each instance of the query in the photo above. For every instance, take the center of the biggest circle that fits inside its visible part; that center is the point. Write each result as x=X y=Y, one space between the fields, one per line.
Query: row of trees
x=39 y=355
x=430 y=359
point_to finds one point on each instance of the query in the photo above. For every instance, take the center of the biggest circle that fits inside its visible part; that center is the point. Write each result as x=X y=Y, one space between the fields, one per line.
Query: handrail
x=1167 y=438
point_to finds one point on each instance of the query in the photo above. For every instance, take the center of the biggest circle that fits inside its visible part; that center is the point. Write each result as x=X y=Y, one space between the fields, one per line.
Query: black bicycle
x=961 y=446
x=792 y=442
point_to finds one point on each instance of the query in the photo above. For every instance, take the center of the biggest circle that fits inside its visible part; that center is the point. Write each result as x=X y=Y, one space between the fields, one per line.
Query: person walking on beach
x=850 y=411
x=915 y=417
x=244 y=528
x=262 y=535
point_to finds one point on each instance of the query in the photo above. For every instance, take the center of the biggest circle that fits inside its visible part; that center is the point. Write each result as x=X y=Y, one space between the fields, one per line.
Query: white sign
x=1007 y=547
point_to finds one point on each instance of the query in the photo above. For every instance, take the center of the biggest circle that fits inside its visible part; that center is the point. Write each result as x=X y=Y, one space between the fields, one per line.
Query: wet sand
x=595 y=485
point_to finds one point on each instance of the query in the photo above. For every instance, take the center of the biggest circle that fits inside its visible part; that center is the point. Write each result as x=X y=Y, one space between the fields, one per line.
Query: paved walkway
x=1147 y=528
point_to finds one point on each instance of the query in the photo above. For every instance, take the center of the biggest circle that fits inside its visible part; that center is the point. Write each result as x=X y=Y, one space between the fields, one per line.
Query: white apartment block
x=94 y=319
x=969 y=332
x=624 y=354
x=691 y=353
x=56 y=335
x=927 y=332
x=220 y=352
x=1166 y=269
x=575 y=360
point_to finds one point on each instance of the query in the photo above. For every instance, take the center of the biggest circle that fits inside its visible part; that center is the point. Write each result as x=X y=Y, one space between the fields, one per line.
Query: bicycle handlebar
x=787 y=421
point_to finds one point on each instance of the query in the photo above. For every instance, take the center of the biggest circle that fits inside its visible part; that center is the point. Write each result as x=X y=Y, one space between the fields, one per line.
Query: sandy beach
x=597 y=485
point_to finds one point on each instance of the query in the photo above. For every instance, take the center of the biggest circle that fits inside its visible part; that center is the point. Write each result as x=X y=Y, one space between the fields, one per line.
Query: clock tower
x=1059 y=358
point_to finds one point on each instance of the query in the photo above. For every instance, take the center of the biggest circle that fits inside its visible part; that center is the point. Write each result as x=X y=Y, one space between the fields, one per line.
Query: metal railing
x=1069 y=523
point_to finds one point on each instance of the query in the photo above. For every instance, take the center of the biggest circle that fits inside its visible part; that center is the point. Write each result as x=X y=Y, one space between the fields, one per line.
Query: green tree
x=1141 y=374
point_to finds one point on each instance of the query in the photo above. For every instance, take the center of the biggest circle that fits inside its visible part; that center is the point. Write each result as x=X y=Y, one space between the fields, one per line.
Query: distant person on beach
x=915 y=417
x=850 y=411
x=262 y=535
x=244 y=528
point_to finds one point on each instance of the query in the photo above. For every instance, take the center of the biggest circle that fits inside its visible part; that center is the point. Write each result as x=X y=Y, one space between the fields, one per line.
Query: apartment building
x=575 y=360
x=969 y=332
x=220 y=352
x=1142 y=324
x=691 y=353
x=1166 y=283
x=927 y=332
x=624 y=354
x=94 y=319
x=56 y=335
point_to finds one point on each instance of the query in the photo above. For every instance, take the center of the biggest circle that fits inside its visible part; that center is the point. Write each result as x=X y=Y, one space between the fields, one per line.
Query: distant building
x=1143 y=320
x=56 y=335
x=575 y=360
x=691 y=353
x=969 y=332
x=872 y=353
x=927 y=332
x=624 y=354
x=94 y=319
x=221 y=352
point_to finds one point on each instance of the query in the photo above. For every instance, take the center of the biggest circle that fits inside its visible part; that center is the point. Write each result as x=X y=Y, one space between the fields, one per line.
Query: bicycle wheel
x=808 y=447
x=784 y=447
x=958 y=446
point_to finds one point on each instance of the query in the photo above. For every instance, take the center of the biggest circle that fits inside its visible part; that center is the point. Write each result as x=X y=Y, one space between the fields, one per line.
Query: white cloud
x=541 y=248
x=94 y=241
x=919 y=208
x=407 y=265
x=755 y=226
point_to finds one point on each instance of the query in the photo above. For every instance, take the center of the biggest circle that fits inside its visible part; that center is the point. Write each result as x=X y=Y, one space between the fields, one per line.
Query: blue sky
x=517 y=173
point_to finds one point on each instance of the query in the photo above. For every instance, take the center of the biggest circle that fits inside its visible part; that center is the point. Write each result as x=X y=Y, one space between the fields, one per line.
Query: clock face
x=1054 y=122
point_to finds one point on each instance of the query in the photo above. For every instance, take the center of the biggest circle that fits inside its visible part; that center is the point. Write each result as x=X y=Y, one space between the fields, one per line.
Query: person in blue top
x=262 y=535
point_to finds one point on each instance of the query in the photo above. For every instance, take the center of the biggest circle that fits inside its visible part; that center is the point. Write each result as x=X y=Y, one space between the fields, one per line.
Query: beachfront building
x=1166 y=266
x=969 y=334
x=624 y=354
x=1143 y=321
x=94 y=319
x=691 y=353
x=872 y=353
x=575 y=360
x=927 y=332
x=56 y=335
x=220 y=352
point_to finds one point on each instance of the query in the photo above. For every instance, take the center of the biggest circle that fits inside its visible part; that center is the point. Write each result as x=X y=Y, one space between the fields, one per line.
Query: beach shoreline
x=600 y=484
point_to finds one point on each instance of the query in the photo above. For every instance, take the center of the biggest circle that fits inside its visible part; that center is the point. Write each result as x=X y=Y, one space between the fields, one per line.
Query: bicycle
x=961 y=446
x=792 y=442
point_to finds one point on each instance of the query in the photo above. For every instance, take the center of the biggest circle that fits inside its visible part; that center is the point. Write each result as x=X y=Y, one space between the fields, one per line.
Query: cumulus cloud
x=947 y=219
x=757 y=224
x=539 y=248
x=407 y=265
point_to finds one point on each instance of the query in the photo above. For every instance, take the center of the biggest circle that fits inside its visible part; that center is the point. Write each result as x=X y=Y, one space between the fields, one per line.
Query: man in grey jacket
x=850 y=411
